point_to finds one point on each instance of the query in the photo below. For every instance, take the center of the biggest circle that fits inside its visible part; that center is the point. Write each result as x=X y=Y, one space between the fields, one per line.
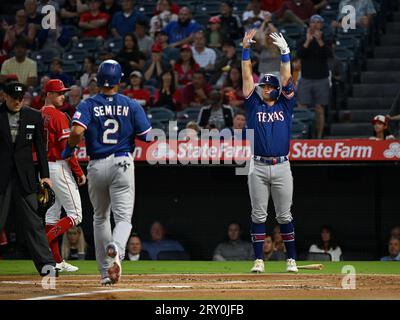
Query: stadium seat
x=161 y=114
x=240 y=7
x=209 y=8
x=89 y=44
x=72 y=68
x=191 y=114
x=344 y=54
x=292 y=30
x=114 y=44
x=299 y=129
x=45 y=55
x=348 y=42
x=42 y=68
x=73 y=31
x=173 y=255
x=201 y=19
x=311 y=256
x=75 y=55
x=304 y=115
x=329 y=15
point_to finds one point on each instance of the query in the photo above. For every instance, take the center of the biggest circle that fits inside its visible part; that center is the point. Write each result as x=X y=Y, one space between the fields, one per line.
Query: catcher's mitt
x=45 y=197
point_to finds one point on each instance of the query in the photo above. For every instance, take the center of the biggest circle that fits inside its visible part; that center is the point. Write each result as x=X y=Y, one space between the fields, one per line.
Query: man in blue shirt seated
x=158 y=242
x=124 y=21
x=394 y=250
x=182 y=31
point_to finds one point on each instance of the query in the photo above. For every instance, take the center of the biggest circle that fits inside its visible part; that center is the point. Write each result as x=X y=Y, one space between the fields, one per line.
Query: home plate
x=172 y=286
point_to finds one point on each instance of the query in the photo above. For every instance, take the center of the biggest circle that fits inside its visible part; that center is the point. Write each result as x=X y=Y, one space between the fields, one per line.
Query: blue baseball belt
x=116 y=154
x=271 y=160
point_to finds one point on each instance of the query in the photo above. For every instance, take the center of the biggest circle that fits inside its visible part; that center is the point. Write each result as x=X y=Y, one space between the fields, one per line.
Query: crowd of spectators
x=171 y=56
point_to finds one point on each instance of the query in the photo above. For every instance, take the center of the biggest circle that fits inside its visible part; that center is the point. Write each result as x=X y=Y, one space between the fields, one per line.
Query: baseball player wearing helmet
x=269 y=108
x=56 y=130
x=110 y=122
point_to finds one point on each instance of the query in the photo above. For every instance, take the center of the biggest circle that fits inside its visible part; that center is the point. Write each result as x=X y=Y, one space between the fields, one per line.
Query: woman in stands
x=232 y=88
x=167 y=96
x=136 y=90
x=327 y=244
x=185 y=66
x=381 y=130
x=74 y=245
x=130 y=57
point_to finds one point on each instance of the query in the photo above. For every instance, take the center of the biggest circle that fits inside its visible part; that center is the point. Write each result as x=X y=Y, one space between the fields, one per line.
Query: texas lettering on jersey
x=270 y=116
x=272 y=124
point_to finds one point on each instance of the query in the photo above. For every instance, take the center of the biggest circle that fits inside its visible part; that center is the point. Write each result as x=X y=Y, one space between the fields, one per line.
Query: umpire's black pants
x=16 y=201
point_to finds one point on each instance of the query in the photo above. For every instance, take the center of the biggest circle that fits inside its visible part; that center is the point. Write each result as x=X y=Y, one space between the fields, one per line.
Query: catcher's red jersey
x=56 y=129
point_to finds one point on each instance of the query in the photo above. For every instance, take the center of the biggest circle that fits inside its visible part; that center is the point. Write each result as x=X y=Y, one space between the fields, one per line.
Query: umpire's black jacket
x=18 y=156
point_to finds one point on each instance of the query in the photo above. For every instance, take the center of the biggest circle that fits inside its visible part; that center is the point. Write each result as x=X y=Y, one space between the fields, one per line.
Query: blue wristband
x=246 y=54
x=285 y=57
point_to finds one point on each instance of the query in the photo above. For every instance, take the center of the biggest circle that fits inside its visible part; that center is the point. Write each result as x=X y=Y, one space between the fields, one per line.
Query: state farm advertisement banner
x=237 y=151
x=345 y=150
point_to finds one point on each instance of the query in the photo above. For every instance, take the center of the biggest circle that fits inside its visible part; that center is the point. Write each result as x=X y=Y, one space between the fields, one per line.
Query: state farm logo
x=163 y=151
x=393 y=151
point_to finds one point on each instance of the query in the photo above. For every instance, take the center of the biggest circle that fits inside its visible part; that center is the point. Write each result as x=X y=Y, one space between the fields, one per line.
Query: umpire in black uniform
x=21 y=128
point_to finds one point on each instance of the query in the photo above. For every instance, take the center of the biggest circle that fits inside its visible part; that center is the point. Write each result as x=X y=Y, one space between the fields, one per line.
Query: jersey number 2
x=114 y=126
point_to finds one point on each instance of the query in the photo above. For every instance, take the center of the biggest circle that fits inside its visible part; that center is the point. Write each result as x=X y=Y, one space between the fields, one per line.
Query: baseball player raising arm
x=110 y=122
x=269 y=111
x=57 y=129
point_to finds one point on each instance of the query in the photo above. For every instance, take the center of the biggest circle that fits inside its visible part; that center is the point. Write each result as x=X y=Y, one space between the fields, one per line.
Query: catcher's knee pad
x=284 y=217
x=258 y=217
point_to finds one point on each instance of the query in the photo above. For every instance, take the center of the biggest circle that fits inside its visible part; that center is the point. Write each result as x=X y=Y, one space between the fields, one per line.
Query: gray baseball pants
x=111 y=187
x=270 y=180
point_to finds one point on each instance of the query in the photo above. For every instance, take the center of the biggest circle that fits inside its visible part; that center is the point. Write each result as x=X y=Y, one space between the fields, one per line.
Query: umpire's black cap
x=15 y=90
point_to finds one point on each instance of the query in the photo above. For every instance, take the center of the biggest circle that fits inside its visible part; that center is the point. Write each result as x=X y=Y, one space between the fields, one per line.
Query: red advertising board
x=205 y=151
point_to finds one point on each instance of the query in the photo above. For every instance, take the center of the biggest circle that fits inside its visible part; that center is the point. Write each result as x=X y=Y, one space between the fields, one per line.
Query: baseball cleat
x=258 y=266
x=105 y=281
x=65 y=266
x=114 y=264
x=291 y=265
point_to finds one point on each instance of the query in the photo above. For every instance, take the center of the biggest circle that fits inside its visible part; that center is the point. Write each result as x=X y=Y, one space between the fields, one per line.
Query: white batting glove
x=280 y=42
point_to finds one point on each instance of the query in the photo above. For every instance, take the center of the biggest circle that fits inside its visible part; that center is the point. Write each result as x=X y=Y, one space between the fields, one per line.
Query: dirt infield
x=211 y=286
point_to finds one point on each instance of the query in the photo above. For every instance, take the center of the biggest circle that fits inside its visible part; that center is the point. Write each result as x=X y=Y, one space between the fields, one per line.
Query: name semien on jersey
x=111 y=110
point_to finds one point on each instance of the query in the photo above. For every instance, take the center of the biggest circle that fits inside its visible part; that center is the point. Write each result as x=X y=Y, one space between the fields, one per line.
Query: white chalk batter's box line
x=80 y=294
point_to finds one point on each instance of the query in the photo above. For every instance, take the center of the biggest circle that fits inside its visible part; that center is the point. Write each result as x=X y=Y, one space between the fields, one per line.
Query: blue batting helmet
x=109 y=73
x=273 y=81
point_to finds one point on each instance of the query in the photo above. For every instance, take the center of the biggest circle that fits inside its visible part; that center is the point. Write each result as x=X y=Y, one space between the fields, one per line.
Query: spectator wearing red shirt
x=94 y=23
x=296 y=11
x=185 y=66
x=197 y=92
x=271 y=5
x=136 y=90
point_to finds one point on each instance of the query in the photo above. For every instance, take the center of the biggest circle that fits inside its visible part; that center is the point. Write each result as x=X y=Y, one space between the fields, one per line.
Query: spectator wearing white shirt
x=205 y=57
x=253 y=18
x=327 y=244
